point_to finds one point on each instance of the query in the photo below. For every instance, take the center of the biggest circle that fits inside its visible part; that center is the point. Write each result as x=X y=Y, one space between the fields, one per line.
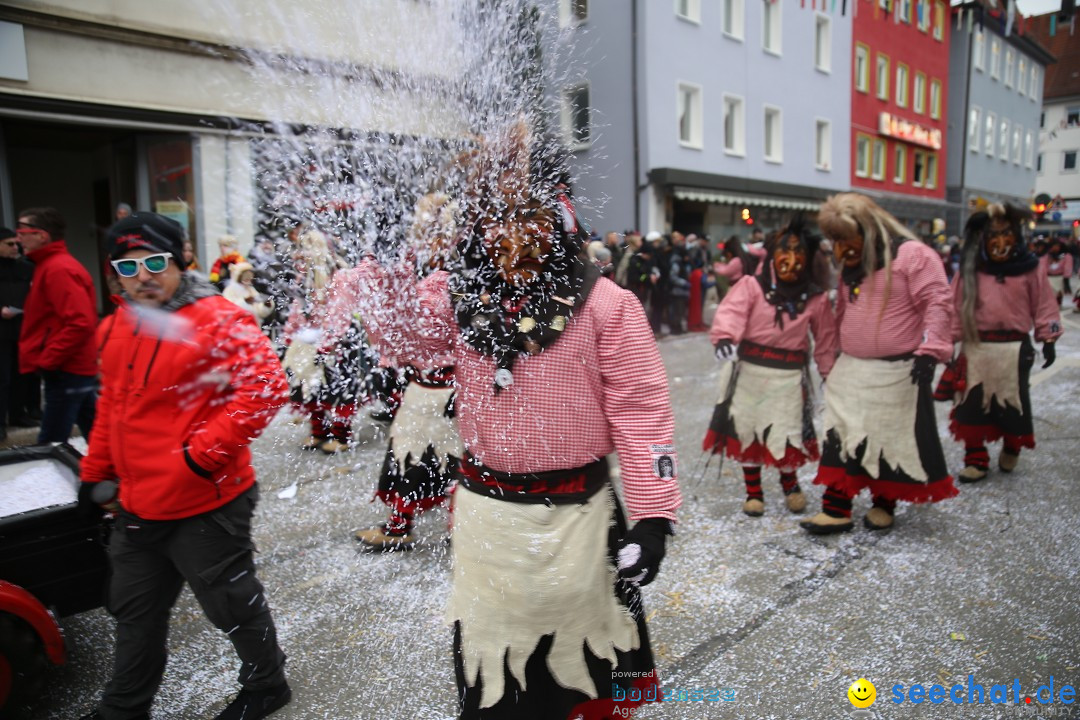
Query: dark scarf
x=504 y=322
x=853 y=277
x=1021 y=261
x=789 y=298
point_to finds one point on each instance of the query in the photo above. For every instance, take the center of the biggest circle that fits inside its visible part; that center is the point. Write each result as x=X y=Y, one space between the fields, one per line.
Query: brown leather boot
x=822 y=524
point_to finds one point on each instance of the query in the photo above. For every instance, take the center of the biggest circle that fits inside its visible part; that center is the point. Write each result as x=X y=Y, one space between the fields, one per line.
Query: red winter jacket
x=59 y=316
x=183 y=394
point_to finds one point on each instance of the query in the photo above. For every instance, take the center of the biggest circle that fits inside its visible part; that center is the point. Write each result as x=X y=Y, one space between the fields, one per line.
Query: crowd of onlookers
x=681 y=278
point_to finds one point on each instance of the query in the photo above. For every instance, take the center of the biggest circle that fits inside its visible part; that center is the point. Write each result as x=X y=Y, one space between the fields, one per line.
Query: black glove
x=1049 y=354
x=922 y=372
x=102 y=494
x=641 y=551
x=725 y=350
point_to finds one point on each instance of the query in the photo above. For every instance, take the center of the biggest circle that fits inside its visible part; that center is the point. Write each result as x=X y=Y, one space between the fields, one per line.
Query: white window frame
x=863 y=172
x=737 y=15
x=930 y=178
x=939 y=20
x=918 y=180
x=901 y=92
x=877 y=171
x=974 y=128
x=823 y=49
x=935 y=99
x=1029 y=149
x=772 y=10
x=777 y=138
x=1017 y=139
x=1035 y=91
x=904 y=9
x=990 y=134
x=569 y=115
x=899 y=163
x=1010 y=67
x=695 y=111
x=738 y=146
x=926 y=21
x=918 y=93
x=881 y=90
x=1021 y=75
x=567 y=18
x=693 y=11
x=978 y=50
x=862 y=80
x=1003 y=139
x=995 y=58
x=823 y=144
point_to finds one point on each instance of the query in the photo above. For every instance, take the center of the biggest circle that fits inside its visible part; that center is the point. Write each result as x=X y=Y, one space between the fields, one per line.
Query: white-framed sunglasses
x=129 y=267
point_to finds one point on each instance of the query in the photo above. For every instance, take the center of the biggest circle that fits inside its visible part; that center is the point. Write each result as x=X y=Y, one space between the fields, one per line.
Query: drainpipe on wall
x=964 y=137
x=634 y=111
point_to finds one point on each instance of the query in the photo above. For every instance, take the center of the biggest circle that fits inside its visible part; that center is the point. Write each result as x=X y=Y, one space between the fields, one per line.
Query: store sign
x=901 y=129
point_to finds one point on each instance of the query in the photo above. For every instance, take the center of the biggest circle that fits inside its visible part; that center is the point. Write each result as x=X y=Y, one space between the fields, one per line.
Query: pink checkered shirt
x=917 y=318
x=599 y=388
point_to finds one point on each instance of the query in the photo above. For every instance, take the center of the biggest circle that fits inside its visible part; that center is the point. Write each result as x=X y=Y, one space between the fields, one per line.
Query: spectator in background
x=57 y=337
x=659 y=290
x=678 y=283
x=241 y=292
x=15 y=274
x=122 y=211
x=190 y=261
x=613 y=242
x=229 y=249
x=697 y=253
x=622 y=267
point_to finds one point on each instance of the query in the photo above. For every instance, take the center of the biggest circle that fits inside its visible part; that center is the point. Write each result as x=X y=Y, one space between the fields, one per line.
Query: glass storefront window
x=171 y=176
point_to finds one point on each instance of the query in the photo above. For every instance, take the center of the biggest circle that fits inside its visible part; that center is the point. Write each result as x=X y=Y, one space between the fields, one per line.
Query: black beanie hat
x=6 y=233
x=147 y=231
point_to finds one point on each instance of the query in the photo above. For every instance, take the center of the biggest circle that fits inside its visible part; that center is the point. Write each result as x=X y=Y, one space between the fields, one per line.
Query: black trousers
x=150 y=561
x=19 y=394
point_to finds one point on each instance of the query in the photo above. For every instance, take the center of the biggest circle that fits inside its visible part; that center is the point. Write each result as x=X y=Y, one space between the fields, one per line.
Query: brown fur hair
x=847 y=214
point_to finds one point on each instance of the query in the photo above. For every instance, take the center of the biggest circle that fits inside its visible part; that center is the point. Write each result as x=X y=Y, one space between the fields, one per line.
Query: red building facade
x=900 y=71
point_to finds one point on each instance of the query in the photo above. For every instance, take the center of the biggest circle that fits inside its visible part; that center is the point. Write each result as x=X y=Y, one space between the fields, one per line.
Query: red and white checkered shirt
x=599 y=388
x=917 y=317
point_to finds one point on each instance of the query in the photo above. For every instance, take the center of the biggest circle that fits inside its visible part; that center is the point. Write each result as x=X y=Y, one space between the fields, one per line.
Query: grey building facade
x=701 y=113
x=994 y=107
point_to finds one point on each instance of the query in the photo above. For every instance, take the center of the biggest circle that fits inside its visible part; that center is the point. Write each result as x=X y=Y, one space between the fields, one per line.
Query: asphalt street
x=982 y=589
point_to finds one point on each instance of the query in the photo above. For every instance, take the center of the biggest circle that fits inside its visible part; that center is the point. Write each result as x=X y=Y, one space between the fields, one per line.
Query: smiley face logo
x=862 y=693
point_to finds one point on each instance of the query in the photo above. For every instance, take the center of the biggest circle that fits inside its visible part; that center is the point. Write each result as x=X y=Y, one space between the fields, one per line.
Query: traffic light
x=1041 y=204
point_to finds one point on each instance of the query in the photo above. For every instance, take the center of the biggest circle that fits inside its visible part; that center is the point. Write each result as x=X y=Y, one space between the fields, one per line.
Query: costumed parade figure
x=764 y=414
x=325 y=360
x=894 y=314
x=230 y=254
x=1059 y=267
x=424 y=448
x=556 y=368
x=241 y=292
x=1000 y=294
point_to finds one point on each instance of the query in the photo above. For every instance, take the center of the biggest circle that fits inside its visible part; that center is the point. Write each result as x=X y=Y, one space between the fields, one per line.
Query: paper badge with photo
x=664 y=461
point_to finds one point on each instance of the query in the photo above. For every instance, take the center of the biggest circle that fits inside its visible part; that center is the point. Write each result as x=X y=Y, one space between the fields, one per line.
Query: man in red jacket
x=188 y=380
x=57 y=337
